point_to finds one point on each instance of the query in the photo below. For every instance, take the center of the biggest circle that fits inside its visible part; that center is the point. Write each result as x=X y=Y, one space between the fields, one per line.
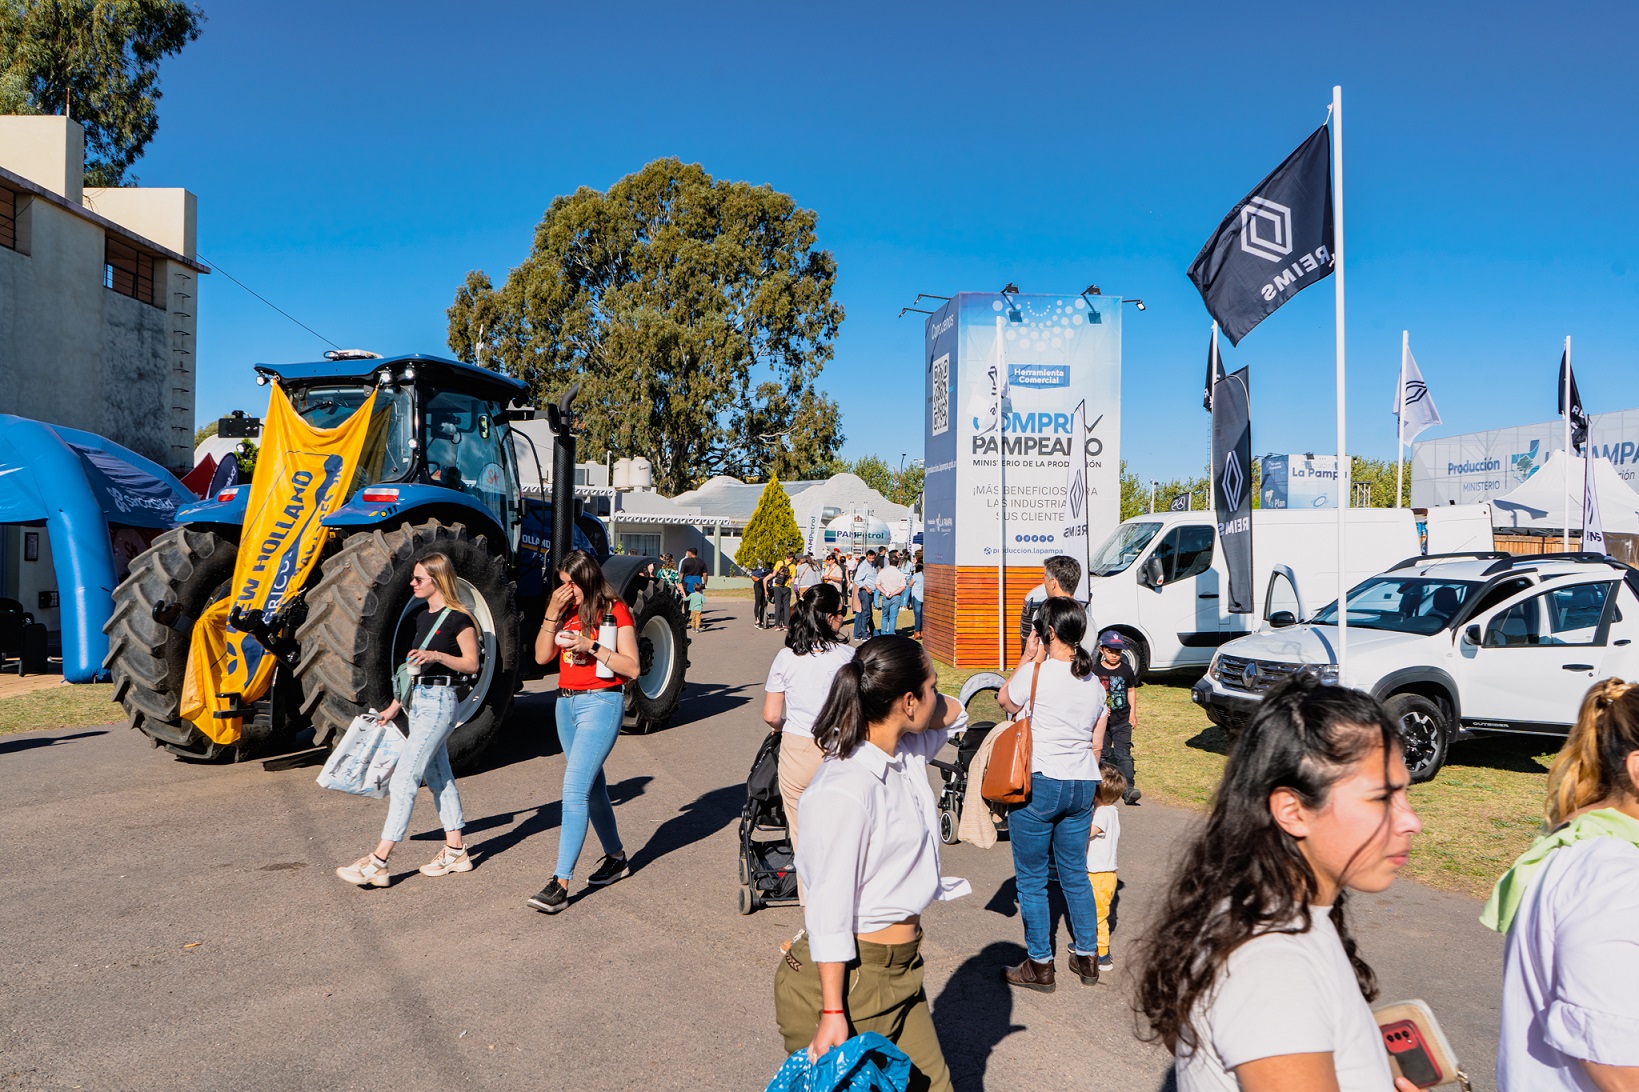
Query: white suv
x=1454 y=646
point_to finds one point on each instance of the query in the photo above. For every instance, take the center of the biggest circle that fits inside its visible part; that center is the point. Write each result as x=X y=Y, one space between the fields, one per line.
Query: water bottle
x=606 y=638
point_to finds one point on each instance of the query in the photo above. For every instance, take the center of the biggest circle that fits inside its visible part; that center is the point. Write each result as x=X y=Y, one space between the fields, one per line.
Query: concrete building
x=99 y=292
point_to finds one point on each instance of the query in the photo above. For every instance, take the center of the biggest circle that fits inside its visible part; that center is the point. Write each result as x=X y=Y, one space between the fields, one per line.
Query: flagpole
x=1001 y=502
x=1400 y=420
x=1217 y=365
x=1342 y=458
x=1566 y=383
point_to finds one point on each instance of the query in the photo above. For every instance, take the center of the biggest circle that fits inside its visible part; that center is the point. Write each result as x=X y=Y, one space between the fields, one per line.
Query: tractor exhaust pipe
x=563 y=482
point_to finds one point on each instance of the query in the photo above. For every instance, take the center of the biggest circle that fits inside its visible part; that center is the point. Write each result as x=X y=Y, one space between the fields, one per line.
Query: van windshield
x=1402 y=604
x=1122 y=548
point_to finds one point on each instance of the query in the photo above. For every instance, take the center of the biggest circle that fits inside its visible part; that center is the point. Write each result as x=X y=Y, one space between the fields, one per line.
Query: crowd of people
x=876 y=585
x=1248 y=973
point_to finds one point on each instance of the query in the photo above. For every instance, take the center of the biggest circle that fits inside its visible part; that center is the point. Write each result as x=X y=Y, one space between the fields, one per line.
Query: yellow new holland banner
x=302 y=475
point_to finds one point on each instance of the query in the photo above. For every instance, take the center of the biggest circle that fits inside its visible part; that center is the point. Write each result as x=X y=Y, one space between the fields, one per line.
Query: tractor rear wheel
x=182 y=573
x=662 y=653
x=359 y=629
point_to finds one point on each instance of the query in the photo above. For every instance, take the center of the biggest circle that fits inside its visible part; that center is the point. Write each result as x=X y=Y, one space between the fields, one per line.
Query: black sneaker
x=1132 y=796
x=609 y=870
x=552 y=898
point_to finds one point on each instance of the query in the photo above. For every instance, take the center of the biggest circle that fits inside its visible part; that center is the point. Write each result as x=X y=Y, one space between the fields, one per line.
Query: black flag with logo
x=1180 y=503
x=1579 y=419
x=1275 y=243
x=1232 y=483
x=1214 y=370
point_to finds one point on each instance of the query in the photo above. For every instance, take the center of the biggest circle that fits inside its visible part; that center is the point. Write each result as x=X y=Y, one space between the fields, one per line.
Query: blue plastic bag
x=865 y=1063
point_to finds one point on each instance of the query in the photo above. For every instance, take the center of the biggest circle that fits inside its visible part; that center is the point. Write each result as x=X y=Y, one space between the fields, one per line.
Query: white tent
x=1541 y=501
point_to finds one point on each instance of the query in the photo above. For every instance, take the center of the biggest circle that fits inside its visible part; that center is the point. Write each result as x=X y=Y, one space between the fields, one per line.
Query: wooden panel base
x=959 y=620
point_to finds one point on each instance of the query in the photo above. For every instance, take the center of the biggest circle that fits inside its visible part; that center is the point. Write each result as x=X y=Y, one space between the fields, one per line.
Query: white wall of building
x=1478 y=466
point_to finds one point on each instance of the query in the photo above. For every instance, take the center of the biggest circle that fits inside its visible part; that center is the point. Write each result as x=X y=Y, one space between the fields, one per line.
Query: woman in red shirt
x=591 y=700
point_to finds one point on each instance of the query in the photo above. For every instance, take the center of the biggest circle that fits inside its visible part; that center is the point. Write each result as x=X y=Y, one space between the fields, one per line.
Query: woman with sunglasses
x=444 y=647
x=798 y=683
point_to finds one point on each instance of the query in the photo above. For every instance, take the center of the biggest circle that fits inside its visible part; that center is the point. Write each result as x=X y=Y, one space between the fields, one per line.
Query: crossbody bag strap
x=437 y=623
x=1034 y=679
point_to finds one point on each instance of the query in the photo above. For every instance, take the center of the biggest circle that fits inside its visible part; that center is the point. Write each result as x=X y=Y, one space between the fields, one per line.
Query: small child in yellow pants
x=1101 y=847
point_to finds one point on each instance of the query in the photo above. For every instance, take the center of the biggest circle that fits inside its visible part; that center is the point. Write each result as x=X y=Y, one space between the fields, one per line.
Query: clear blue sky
x=353 y=162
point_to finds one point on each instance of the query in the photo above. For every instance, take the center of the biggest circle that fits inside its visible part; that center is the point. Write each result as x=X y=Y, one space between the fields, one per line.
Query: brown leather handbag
x=1007 y=778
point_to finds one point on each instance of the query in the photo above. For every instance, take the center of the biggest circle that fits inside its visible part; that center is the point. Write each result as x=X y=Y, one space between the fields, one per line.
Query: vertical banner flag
x=303 y=473
x=1275 y=243
x=1413 y=405
x=1579 y=419
x=1214 y=369
x=1232 y=483
x=1075 y=532
x=1180 y=503
x=1593 y=527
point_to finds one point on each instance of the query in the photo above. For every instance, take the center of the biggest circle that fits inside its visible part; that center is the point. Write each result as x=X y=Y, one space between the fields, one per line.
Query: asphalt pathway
x=177 y=926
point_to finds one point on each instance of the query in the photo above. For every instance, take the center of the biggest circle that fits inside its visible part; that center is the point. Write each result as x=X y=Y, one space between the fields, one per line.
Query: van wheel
x=1425 y=733
x=1136 y=655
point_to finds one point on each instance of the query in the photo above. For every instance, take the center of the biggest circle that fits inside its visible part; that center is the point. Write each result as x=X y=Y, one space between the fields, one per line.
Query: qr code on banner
x=941 y=394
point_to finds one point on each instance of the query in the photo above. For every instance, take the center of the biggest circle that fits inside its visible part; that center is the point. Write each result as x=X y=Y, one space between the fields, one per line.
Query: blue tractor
x=446 y=477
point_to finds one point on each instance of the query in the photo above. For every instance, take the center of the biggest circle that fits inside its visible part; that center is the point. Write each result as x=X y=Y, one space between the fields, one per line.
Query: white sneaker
x=365 y=872
x=448 y=860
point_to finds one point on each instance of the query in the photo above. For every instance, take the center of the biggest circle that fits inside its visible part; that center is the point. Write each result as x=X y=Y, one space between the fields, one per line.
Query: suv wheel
x=1425 y=733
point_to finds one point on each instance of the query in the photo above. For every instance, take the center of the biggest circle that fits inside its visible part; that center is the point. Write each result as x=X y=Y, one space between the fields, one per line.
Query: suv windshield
x=387 y=455
x=1411 y=604
x=1122 y=548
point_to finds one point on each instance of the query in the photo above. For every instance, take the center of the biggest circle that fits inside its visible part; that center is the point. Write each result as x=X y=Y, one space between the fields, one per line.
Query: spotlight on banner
x=1013 y=313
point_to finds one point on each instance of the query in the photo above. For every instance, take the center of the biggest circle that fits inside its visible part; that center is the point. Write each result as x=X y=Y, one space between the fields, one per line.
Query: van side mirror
x=1473 y=636
x=1283 y=618
x=1150 y=574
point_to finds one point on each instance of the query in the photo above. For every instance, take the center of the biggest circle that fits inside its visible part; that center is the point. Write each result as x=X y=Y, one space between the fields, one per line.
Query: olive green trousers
x=882 y=991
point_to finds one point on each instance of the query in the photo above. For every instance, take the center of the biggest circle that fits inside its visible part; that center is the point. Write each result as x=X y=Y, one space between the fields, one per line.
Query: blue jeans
x=1059 y=817
x=916 y=614
x=890 y=613
x=588 y=725
x=862 y=613
x=425 y=760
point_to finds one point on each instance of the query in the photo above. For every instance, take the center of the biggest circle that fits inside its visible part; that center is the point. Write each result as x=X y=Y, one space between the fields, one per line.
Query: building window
x=8 y=219
x=128 y=270
x=641 y=545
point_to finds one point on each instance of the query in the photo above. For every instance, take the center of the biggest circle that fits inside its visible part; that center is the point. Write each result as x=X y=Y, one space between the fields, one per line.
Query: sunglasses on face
x=420 y=579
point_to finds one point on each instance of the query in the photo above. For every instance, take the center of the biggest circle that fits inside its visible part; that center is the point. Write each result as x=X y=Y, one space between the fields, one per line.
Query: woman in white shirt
x=1570 y=909
x=799 y=681
x=1250 y=976
x=1067 y=721
x=870 y=863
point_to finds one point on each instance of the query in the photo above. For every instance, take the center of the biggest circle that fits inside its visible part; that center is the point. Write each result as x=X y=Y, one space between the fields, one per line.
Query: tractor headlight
x=407 y=375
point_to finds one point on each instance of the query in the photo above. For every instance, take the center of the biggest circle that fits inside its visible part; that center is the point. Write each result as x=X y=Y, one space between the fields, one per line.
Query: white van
x=1161 y=580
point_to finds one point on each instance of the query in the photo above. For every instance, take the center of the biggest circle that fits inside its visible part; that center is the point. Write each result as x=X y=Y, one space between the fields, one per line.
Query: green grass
x=1479 y=813
x=59 y=707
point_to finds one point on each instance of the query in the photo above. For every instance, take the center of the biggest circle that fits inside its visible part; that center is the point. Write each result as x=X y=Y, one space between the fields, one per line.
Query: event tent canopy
x=1541 y=502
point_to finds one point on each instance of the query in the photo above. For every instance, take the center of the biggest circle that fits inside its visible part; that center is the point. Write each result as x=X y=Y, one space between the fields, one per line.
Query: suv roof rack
x=1465 y=555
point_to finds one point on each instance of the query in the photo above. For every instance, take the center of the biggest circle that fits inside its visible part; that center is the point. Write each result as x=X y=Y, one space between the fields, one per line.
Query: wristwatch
x=596 y=648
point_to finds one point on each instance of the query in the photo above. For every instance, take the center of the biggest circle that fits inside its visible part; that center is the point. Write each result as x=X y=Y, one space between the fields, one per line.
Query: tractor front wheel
x=662 y=653
x=360 y=627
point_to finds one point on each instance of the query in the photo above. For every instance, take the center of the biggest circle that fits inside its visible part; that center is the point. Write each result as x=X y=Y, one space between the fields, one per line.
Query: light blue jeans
x=1058 y=818
x=891 y=606
x=425 y=760
x=588 y=725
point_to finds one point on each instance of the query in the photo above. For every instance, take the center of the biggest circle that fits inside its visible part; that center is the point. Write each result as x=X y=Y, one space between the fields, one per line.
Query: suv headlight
x=1212 y=668
x=1326 y=673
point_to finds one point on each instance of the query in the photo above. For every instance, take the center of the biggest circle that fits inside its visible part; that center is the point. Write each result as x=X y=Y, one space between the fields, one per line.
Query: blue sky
x=353 y=162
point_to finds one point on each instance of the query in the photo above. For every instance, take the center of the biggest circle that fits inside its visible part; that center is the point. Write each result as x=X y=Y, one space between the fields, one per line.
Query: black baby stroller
x=954 y=793
x=768 y=872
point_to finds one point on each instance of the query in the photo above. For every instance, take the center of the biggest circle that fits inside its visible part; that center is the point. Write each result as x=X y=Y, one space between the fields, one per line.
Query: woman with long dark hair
x=1570 y=910
x=1067 y=710
x=1249 y=974
x=870 y=862
x=444 y=647
x=799 y=681
x=590 y=706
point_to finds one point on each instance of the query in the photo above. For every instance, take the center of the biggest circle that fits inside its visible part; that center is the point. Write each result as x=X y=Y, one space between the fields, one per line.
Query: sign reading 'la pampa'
x=1273 y=244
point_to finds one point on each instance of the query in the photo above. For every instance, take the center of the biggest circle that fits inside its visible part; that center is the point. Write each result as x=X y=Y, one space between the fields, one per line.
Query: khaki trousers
x=882 y=991
x=800 y=759
x=1103 y=894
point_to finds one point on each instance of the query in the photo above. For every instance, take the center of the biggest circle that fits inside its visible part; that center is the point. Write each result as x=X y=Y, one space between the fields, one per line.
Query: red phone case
x=1405 y=1044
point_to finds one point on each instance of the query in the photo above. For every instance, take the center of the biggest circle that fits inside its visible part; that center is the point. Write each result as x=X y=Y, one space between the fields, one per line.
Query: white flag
x=1412 y=403
x=1593 y=528
x=1075 y=528
x=988 y=395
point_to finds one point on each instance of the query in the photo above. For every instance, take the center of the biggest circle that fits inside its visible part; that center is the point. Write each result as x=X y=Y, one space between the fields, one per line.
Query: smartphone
x=1418 y=1050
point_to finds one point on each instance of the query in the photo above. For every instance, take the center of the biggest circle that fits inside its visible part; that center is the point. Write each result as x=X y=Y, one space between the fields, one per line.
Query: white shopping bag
x=363 y=761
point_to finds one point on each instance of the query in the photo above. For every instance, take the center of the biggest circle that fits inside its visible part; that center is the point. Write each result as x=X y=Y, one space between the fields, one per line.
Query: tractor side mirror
x=1282 y=618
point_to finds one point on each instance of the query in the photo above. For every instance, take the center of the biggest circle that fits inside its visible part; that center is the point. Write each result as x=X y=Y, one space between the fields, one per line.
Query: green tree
x=772 y=531
x=96 y=61
x=695 y=313
x=875 y=472
x=906 y=486
x=1378 y=475
x=206 y=433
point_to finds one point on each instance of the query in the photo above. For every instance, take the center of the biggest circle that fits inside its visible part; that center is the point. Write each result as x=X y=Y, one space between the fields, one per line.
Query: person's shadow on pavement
x=706 y=815
x=974 y=1012
x=545 y=817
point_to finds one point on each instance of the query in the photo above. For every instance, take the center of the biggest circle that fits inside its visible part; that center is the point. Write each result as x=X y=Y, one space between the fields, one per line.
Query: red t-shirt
x=585 y=676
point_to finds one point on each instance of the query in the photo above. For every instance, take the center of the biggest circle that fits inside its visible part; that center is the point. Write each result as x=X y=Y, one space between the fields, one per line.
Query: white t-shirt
x=1101 y=846
x=806 y=683
x=1287 y=993
x=1061 y=725
x=1570 y=979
